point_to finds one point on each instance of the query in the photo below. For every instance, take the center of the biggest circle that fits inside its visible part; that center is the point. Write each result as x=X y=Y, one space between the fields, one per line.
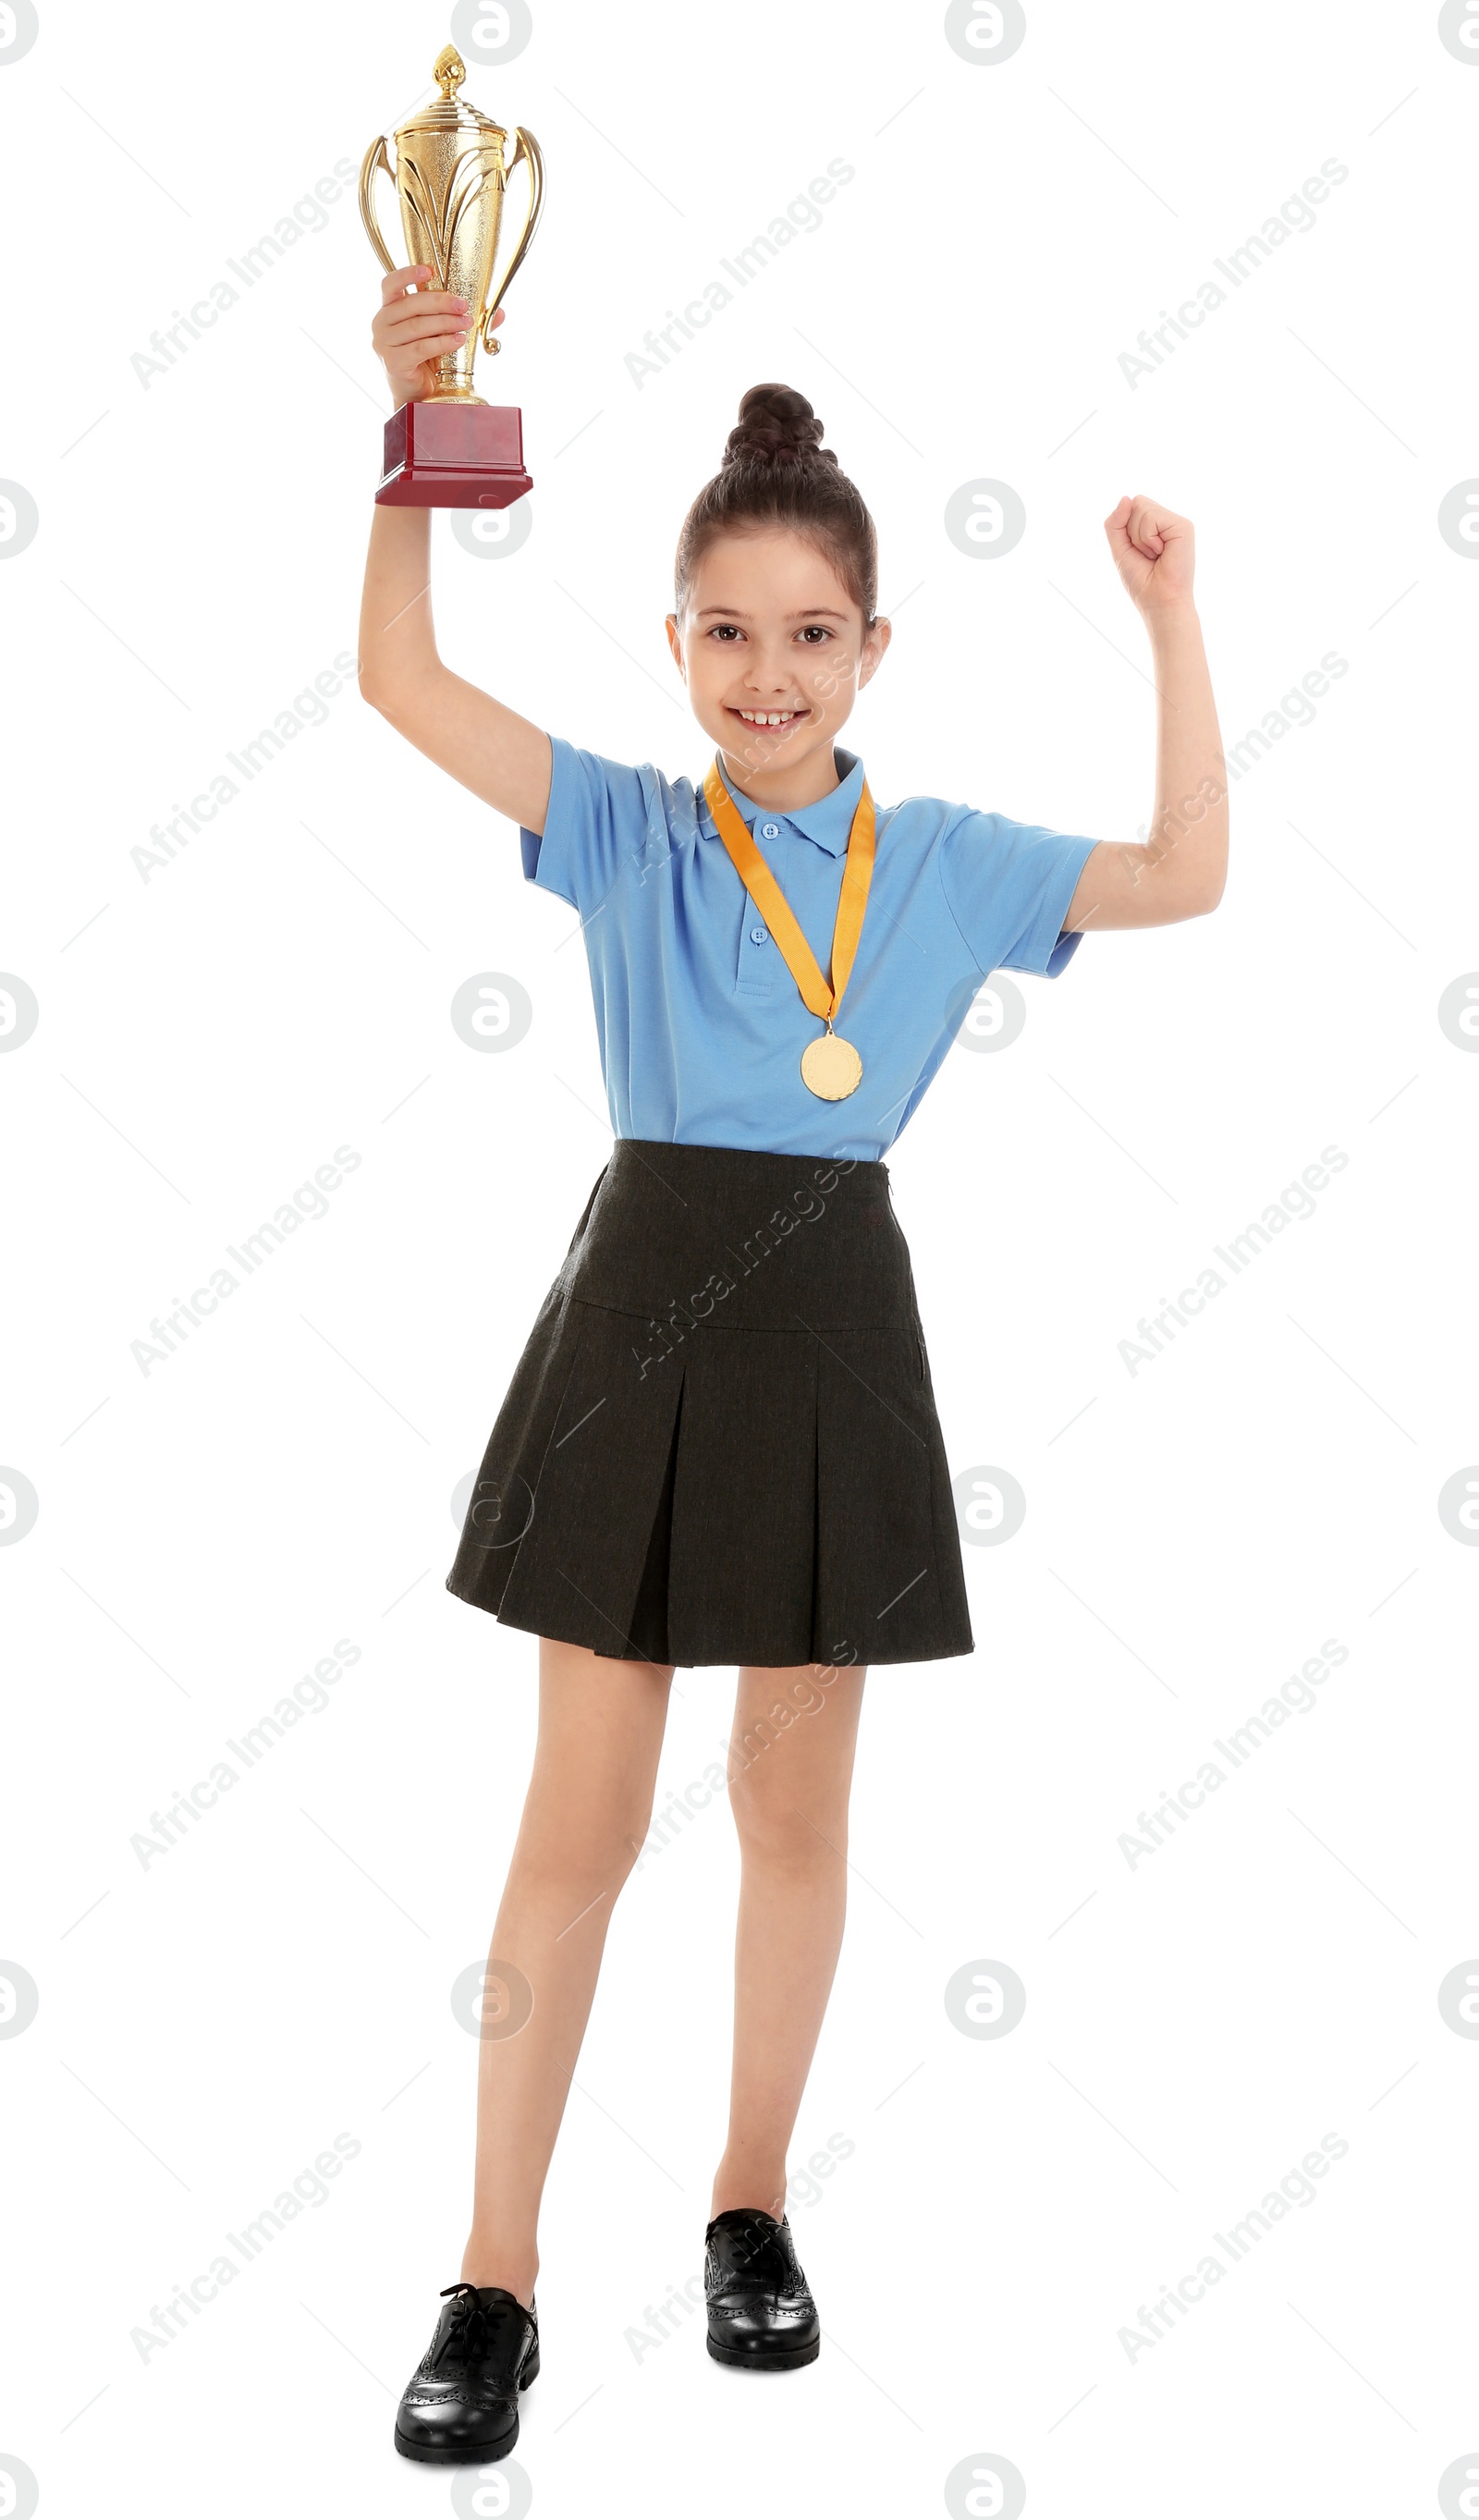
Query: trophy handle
x=526 y=146
x=376 y=155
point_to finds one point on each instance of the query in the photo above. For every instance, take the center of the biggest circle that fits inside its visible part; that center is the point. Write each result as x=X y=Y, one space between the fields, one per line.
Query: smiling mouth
x=773 y=721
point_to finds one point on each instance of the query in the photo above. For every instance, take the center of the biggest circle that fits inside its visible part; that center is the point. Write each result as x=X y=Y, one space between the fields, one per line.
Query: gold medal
x=830 y=1068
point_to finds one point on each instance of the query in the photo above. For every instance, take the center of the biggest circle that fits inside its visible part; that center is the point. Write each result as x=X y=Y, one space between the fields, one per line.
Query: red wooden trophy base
x=453 y=455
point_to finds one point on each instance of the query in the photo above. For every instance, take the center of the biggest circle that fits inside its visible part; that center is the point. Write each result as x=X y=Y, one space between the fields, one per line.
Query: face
x=774 y=652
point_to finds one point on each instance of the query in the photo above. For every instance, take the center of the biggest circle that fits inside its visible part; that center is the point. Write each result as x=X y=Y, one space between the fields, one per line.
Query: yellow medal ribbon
x=829 y=1065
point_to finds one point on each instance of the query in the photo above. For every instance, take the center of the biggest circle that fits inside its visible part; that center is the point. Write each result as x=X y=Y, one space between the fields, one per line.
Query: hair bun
x=777 y=425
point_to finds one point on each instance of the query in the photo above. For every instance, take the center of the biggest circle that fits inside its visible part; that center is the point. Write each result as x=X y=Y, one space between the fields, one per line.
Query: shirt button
x=770 y=830
x=758 y=935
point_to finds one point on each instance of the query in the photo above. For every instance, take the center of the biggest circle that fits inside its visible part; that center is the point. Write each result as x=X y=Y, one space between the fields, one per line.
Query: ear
x=875 y=646
x=675 y=641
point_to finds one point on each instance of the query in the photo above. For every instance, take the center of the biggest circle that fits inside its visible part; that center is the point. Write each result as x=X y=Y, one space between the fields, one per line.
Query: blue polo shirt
x=702 y=1025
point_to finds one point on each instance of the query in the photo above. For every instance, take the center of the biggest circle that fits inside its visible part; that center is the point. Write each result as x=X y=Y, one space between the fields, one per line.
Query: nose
x=771 y=675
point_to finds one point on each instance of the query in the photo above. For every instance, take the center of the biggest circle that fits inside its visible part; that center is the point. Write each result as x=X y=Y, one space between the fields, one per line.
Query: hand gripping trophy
x=453 y=449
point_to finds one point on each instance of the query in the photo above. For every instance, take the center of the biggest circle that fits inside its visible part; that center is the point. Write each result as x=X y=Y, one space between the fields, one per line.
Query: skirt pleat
x=597 y=1480
x=879 y=1565
x=743 y=1541
x=750 y=1469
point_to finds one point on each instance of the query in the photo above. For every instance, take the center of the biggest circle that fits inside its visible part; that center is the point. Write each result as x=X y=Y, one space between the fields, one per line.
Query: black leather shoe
x=461 y=2405
x=761 y=2316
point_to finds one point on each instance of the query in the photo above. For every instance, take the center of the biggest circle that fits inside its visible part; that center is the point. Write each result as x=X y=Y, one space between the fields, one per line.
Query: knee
x=585 y=1862
x=779 y=1824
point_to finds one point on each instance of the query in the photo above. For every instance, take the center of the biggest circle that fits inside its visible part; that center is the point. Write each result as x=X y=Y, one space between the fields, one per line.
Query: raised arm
x=503 y=757
x=1180 y=869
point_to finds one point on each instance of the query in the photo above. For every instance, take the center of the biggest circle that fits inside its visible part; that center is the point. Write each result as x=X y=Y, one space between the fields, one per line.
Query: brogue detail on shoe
x=761 y=2314
x=461 y=2405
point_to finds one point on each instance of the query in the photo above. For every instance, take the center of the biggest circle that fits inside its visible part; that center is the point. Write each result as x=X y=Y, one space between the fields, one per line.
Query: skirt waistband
x=744 y=1239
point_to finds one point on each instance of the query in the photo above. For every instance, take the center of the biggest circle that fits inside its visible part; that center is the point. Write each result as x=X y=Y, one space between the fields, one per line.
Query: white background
x=1194 y=1531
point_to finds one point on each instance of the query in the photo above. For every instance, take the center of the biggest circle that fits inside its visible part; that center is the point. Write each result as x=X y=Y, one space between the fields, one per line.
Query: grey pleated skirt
x=720 y=1444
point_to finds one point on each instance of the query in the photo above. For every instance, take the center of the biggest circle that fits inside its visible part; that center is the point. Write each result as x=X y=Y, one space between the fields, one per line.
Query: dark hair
x=774 y=470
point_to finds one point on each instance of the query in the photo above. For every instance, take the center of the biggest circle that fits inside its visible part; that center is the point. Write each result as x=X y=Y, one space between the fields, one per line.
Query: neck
x=783 y=790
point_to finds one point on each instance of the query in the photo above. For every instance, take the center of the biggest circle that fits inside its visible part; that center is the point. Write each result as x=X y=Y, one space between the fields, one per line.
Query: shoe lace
x=761 y=2258
x=468 y=2327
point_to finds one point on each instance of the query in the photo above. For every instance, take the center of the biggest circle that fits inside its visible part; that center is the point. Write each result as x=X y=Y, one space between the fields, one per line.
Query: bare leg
x=585 y=1815
x=788 y=1791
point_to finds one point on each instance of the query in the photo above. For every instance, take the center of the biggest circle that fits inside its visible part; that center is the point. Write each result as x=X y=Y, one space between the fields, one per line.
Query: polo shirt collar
x=827 y=821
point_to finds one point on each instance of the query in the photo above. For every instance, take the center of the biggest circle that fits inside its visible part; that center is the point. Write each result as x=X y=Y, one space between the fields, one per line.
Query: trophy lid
x=450 y=111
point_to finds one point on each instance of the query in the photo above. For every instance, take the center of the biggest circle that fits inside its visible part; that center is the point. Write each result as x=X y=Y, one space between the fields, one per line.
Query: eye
x=815 y=632
x=728 y=631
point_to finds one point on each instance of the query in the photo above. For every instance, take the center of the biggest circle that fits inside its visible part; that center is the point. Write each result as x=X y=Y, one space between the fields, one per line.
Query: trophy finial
x=449 y=70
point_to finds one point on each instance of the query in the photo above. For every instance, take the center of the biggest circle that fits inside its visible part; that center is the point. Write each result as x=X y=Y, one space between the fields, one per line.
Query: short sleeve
x=1009 y=886
x=597 y=815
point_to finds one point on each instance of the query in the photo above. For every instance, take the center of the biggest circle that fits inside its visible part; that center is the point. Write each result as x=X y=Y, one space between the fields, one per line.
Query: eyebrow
x=731 y=612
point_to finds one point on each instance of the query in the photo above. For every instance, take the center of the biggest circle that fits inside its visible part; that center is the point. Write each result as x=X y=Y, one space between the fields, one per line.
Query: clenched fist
x=414 y=329
x=1155 y=552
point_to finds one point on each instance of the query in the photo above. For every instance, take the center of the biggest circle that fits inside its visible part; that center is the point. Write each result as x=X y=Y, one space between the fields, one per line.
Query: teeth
x=768 y=717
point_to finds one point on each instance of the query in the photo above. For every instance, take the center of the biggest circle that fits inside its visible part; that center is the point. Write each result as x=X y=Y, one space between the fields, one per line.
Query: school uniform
x=720 y=1444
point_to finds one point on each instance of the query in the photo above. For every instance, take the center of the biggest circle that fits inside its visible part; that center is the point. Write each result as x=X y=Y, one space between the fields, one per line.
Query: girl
x=720 y=1444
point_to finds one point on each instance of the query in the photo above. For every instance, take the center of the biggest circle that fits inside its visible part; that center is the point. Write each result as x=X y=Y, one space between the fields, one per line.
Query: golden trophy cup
x=451 y=449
